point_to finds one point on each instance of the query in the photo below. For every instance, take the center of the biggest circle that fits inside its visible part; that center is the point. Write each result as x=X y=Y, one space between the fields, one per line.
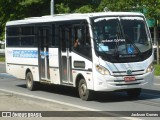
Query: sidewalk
x=2 y=67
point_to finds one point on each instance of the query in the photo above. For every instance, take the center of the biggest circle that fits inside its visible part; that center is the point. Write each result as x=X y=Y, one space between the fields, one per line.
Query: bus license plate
x=129 y=78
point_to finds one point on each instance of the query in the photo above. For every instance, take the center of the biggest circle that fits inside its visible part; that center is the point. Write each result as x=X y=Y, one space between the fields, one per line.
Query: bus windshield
x=118 y=38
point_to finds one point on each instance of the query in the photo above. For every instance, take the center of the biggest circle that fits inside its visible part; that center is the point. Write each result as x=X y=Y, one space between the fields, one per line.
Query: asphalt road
x=149 y=100
x=2 y=67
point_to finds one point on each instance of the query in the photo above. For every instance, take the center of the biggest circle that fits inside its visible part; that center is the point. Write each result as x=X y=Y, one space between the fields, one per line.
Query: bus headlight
x=102 y=70
x=150 y=68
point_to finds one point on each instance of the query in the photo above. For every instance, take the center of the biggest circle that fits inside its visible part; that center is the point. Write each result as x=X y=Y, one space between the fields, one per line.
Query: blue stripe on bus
x=25 y=53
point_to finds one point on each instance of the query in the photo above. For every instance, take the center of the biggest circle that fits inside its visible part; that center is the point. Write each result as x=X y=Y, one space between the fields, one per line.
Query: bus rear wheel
x=84 y=92
x=30 y=83
x=134 y=93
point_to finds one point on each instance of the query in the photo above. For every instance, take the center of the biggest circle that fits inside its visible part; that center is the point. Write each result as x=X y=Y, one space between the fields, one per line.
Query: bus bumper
x=111 y=83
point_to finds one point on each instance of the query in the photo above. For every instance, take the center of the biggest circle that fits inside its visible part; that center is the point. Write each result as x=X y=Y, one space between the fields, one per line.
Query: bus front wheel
x=84 y=92
x=30 y=83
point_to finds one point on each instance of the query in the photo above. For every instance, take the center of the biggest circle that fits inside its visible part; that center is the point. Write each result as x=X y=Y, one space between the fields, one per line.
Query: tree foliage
x=62 y=8
x=9 y=10
x=84 y=9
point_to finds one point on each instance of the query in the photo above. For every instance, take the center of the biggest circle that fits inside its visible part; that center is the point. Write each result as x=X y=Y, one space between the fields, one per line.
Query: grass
x=2 y=59
x=157 y=70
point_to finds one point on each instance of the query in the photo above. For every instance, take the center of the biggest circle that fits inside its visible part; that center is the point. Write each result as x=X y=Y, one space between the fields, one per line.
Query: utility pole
x=52 y=8
x=156 y=37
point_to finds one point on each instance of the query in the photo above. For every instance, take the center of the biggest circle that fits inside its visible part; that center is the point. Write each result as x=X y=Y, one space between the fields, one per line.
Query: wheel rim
x=83 y=89
x=29 y=82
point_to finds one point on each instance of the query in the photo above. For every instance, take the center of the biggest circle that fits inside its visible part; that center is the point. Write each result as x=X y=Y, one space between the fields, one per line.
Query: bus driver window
x=76 y=44
x=82 y=44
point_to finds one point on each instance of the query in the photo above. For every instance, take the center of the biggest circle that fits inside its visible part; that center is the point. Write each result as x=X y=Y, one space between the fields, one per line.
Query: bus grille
x=124 y=73
x=121 y=74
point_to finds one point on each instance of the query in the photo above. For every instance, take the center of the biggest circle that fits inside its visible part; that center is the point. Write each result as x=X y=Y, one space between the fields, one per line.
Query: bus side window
x=87 y=46
x=13 y=37
x=77 y=39
x=81 y=43
x=27 y=36
x=55 y=35
x=63 y=39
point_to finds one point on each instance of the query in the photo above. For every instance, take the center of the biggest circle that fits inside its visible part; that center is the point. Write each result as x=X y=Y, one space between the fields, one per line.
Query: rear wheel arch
x=78 y=78
x=27 y=70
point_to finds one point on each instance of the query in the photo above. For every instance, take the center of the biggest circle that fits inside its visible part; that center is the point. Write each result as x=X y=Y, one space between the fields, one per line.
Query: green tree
x=9 y=10
x=34 y=8
x=120 y=5
x=153 y=12
x=18 y=9
x=62 y=8
x=71 y=6
x=84 y=9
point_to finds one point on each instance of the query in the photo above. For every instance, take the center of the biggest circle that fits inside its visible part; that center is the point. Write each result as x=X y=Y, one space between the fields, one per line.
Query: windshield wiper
x=116 y=53
x=119 y=35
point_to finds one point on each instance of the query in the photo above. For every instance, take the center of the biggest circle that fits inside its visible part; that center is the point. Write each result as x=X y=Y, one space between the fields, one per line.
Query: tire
x=30 y=83
x=84 y=92
x=134 y=93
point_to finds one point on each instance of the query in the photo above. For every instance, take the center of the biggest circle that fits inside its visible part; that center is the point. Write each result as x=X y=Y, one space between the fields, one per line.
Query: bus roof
x=65 y=17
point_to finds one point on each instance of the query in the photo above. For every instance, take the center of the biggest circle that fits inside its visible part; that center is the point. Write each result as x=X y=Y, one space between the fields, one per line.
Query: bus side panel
x=18 y=60
x=54 y=65
x=77 y=69
x=16 y=70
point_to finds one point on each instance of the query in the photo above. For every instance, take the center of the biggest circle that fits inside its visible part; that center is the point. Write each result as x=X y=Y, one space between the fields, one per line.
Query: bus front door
x=65 y=57
x=44 y=54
